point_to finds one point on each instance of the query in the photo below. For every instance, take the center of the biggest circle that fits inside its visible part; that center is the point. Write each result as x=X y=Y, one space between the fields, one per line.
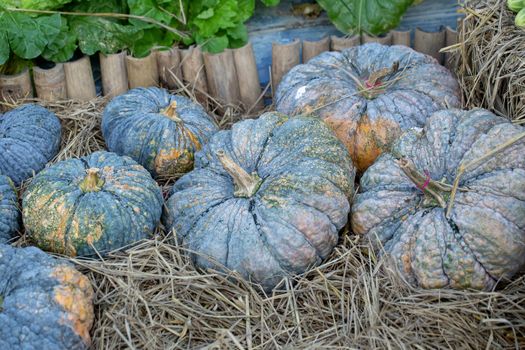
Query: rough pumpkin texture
x=44 y=303
x=29 y=138
x=482 y=240
x=9 y=213
x=267 y=198
x=368 y=94
x=159 y=130
x=100 y=202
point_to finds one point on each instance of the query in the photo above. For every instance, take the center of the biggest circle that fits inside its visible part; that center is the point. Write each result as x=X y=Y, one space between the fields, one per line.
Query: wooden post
x=15 y=87
x=430 y=43
x=50 y=83
x=194 y=72
x=451 y=38
x=114 y=74
x=401 y=38
x=341 y=43
x=168 y=62
x=384 y=40
x=142 y=72
x=80 y=84
x=314 y=48
x=284 y=58
x=248 y=78
x=222 y=77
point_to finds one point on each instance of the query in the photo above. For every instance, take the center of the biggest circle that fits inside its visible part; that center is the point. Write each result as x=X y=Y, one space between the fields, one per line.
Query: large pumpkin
x=29 y=138
x=44 y=303
x=266 y=199
x=100 y=202
x=9 y=213
x=159 y=130
x=405 y=196
x=368 y=94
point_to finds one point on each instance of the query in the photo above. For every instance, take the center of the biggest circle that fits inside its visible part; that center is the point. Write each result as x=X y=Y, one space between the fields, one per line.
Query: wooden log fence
x=230 y=77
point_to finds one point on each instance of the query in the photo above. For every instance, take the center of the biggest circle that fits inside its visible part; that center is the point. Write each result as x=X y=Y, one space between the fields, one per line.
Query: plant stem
x=171 y=112
x=92 y=182
x=245 y=184
x=433 y=187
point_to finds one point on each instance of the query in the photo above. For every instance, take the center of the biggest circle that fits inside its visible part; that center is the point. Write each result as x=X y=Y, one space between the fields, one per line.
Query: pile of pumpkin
x=441 y=190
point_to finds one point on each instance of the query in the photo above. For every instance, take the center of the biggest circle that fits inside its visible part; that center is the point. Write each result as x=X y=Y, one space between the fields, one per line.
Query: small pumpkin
x=368 y=94
x=9 y=213
x=266 y=198
x=100 y=202
x=45 y=303
x=406 y=204
x=159 y=130
x=29 y=139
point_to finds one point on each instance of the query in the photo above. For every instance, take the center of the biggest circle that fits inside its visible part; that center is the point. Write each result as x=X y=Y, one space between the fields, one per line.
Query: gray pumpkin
x=368 y=94
x=9 y=213
x=267 y=198
x=99 y=202
x=159 y=130
x=29 y=139
x=44 y=303
x=404 y=210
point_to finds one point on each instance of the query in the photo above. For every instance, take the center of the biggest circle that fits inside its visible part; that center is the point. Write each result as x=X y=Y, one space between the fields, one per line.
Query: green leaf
x=224 y=16
x=28 y=36
x=152 y=38
x=100 y=34
x=98 y=6
x=270 y=2
x=35 y=4
x=150 y=8
x=246 y=9
x=238 y=36
x=371 y=16
x=4 y=47
x=215 y=44
x=63 y=47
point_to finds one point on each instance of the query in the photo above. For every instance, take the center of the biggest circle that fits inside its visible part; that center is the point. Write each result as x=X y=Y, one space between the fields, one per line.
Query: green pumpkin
x=93 y=204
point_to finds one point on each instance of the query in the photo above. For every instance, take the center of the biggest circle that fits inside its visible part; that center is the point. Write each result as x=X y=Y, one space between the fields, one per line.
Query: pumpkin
x=9 y=213
x=45 y=303
x=368 y=94
x=266 y=198
x=437 y=236
x=160 y=131
x=97 y=203
x=29 y=138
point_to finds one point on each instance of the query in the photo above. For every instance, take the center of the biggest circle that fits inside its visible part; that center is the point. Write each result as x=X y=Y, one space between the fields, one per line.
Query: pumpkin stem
x=431 y=188
x=92 y=182
x=171 y=112
x=374 y=85
x=245 y=184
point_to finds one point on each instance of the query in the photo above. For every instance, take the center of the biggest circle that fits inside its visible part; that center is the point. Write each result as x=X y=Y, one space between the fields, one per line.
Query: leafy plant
x=370 y=16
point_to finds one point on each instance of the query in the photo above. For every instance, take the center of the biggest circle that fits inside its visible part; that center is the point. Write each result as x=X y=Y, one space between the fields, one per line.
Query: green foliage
x=370 y=16
x=35 y=4
x=520 y=18
x=515 y=5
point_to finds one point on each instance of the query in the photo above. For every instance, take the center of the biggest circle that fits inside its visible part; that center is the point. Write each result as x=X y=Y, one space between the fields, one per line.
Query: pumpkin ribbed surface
x=29 y=138
x=368 y=94
x=100 y=202
x=44 y=303
x=9 y=213
x=159 y=130
x=483 y=238
x=267 y=198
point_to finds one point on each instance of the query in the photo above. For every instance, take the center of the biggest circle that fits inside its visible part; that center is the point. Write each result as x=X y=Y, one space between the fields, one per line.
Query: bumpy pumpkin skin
x=9 y=213
x=292 y=219
x=484 y=238
x=44 y=303
x=29 y=139
x=326 y=87
x=61 y=216
x=135 y=124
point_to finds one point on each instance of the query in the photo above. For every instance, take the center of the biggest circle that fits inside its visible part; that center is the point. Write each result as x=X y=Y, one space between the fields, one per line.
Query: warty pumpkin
x=159 y=130
x=9 y=213
x=100 y=202
x=29 y=139
x=45 y=303
x=438 y=237
x=266 y=198
x=368 y=94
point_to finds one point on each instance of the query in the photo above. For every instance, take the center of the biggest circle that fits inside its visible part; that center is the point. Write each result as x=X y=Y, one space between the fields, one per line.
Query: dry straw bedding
x=151 y=297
